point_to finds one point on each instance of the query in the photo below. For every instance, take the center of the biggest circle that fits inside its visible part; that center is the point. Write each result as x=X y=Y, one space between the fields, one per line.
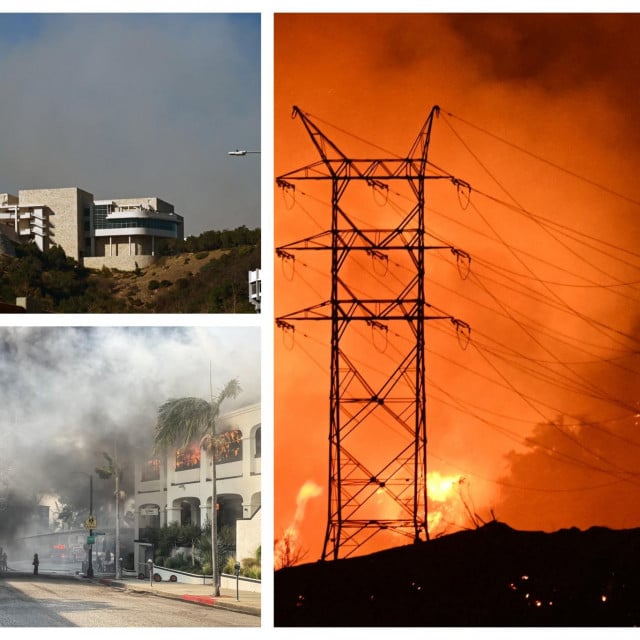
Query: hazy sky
x=553 y=295
x=68 y=393
x=128 y=105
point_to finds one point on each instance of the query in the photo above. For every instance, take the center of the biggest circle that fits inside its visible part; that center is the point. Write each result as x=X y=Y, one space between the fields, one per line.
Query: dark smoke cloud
x=579 y=472
x=558 y=51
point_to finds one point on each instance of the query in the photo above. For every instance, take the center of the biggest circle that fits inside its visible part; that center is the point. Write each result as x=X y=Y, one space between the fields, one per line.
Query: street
x=48 y=601
x=46 y=566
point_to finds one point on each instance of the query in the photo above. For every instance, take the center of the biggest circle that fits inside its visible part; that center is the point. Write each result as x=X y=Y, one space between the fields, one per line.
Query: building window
x=100 y=212
x=151 y=470
x=229 y=446
x=149 y=521
x=165 y=225
x=258 y=442
x=185 y=514
x=188 y=457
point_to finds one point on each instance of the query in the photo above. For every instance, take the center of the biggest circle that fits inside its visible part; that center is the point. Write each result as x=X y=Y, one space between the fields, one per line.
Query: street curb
x=203 y=601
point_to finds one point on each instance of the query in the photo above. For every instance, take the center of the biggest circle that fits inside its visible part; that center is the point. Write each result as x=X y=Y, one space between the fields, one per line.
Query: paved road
x=46 y=602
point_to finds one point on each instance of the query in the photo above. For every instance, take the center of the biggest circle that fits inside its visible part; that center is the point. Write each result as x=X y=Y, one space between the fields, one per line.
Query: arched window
x=258 y=437
x=185 y=513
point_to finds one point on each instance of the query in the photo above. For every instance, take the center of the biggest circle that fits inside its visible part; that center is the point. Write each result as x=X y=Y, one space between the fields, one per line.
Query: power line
x=539 y=158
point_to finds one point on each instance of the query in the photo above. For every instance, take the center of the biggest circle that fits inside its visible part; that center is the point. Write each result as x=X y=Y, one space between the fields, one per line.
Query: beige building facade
x=117 y=233
x=178 y=487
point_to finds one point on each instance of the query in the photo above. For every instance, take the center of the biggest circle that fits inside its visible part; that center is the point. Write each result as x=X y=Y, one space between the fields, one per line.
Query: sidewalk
x=248 y=602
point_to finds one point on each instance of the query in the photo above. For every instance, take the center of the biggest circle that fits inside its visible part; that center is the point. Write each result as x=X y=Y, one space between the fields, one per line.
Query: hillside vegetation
x=204 y=274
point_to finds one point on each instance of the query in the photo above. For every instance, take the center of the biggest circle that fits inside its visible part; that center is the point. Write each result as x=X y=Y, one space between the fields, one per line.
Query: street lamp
x=240 y=152
x=244 y=152
x=118 y=559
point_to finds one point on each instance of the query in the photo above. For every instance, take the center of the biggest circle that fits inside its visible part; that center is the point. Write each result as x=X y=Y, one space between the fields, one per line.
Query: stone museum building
x=117 y=233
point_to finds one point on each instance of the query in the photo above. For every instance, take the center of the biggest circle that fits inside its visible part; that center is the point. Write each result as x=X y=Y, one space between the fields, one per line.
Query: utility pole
x=377 y=417
x=214 y=502
x=117 y=472
x=112 y=470
x=90 y=565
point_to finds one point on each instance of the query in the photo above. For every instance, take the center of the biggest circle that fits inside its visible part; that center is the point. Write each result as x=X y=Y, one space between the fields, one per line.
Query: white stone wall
x=65 y=219
x=248 y=536
x=124 y=263
x=156 y=204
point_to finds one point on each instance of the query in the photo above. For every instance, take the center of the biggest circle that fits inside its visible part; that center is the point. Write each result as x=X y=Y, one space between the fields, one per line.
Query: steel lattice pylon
x=379 y=487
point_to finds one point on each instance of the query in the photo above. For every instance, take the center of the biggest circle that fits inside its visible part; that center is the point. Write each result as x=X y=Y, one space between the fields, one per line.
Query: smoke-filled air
x=70 y=395
x=533 y=416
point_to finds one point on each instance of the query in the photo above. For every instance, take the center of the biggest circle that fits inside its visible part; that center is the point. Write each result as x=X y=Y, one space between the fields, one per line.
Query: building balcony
x=135 y=231
x=140 y=212
x=10 y=213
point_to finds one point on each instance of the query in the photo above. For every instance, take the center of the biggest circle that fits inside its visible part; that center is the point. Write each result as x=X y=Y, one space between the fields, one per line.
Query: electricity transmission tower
x=377 y=312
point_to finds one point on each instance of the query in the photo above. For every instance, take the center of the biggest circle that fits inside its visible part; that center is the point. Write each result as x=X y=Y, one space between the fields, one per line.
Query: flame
x=307 y=491
x=287 y=548
x=445 y=503
x=441 y=488
x=446 y=509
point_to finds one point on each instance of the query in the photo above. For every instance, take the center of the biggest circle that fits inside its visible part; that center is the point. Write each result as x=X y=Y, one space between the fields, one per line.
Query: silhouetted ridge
x=490 y=576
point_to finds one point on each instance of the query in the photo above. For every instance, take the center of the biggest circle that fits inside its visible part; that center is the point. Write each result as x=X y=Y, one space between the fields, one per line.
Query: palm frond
x=181 y=421
x=231 y=390
x=106 y=471
x=210 y=443
x=109 y=459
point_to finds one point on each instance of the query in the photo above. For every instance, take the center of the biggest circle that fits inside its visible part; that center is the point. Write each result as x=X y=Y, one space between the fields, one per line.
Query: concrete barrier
x=226 y=581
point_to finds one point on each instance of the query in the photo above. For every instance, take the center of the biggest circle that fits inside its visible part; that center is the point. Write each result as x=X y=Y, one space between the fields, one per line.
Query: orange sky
x=552 y=318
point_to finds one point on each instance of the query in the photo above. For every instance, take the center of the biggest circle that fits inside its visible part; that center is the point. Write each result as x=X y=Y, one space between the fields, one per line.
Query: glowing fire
x=448 y=508
x=445 y=502
x=287 y=550
x=441 y=488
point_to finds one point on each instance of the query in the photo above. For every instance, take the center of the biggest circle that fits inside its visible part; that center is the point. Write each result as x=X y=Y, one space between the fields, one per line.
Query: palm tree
x=182 y=421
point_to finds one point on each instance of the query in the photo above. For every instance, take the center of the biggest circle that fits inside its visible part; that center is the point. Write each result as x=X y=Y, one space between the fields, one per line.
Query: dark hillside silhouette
x=491 y=576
